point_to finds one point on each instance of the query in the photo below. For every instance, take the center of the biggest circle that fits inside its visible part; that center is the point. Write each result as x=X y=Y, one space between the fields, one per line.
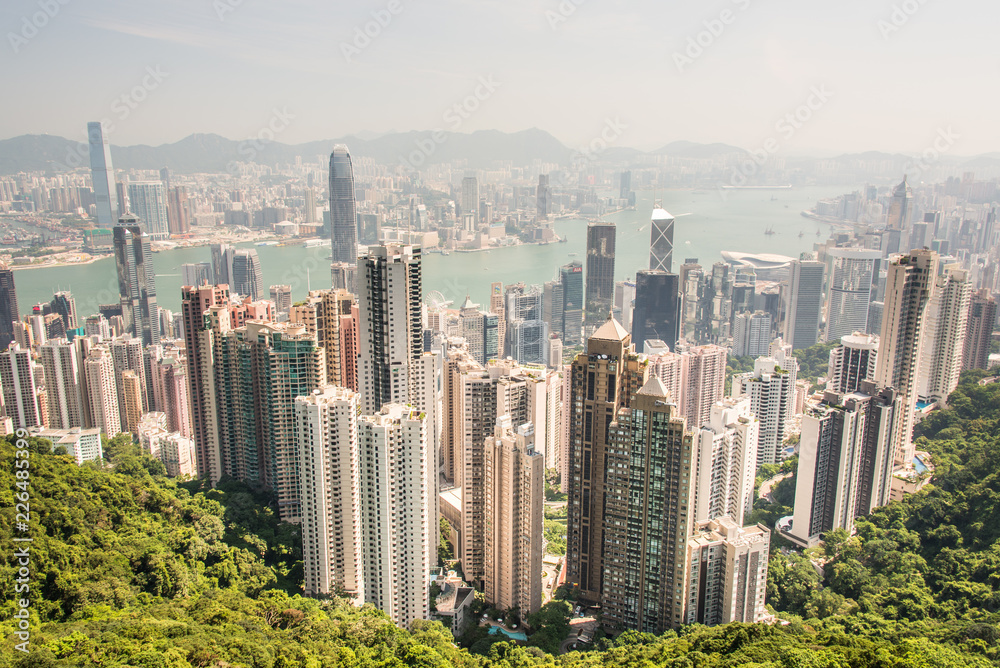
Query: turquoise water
x=919 y=465
x=496 y=630
x=736 y=222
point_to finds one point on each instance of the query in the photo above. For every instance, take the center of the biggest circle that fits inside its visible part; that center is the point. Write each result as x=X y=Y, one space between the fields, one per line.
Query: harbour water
x=734 y=221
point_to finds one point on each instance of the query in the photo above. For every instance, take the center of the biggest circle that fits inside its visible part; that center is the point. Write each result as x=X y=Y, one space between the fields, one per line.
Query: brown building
x=979 y=332
x=331 y=316
x=603 y=380
x=515 y=499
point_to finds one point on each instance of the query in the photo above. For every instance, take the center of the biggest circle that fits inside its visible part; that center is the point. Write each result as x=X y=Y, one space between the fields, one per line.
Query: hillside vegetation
x=133 y=569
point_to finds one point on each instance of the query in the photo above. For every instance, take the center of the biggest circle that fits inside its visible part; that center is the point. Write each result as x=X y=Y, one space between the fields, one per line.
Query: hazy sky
x=567 y=67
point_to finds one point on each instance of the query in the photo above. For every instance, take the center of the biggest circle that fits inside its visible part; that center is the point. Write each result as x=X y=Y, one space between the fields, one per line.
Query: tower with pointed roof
x=650 y=513
x=603 y=380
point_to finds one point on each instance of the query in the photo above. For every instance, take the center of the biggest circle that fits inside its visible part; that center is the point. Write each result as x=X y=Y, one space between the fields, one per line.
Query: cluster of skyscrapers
x=372 y=415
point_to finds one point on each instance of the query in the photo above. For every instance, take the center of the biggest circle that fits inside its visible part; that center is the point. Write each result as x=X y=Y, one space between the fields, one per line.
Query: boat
x=572 y=254
x=769 y=231
x=801 y=234
x=444 y=252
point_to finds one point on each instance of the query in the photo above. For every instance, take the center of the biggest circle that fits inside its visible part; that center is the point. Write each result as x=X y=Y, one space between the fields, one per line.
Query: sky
x=786 y=76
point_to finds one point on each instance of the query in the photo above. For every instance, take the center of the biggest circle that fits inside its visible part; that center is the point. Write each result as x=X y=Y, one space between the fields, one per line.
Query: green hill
x=133 y=569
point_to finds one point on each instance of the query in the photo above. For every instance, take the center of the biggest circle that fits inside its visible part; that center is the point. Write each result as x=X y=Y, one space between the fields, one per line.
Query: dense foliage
x=133 y=569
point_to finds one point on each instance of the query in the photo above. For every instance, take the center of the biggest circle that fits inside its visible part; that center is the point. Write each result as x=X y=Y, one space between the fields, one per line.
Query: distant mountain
x=687 y=149
x=212 y=153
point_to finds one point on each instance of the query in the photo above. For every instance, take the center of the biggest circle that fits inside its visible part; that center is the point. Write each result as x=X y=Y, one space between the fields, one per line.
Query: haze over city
x=724 y=72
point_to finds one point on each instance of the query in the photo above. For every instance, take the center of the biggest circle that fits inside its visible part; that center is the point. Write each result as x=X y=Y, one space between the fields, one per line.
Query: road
x=768 y=485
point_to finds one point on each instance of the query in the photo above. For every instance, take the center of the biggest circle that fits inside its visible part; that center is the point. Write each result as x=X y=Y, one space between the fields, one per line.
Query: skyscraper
x=178 y=221
x=853 y=361
x=102 y=388
x=979 y=331
x=222 y=264
x=803 y=303
x=853 y=273
x=247 y=278
x=396 y=511
x=343 y=217
x=136 y=280
x=281 y=295
x=657 y=310
x=725 y=462
x=908 y=289
x=148 y=202
x=199 y=342
x=331 y=316
x=514 y=503
x=390 y=324
x=197 y=273
x=470 y=196
x=650 y=513
x=63 y=382
x=64 y=306
x=20 y=389
x=751 y=334
x=260 y=368
x=845 y=462
x=543 y=195
x=727 y=572
x=9 y=312
x=603 y=381
x=571 y=277
x=703 y=382
x=943 y=340
x=771 y=388
x=326 y=434
x=102 y=176
x=661 y=241
x=600 y=271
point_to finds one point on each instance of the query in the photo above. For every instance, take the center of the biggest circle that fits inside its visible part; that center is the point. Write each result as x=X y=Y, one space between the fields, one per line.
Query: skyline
x=223 y=67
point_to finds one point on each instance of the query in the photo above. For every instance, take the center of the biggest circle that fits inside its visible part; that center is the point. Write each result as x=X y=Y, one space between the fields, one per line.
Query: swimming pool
x=510 y=634
x=919 y=465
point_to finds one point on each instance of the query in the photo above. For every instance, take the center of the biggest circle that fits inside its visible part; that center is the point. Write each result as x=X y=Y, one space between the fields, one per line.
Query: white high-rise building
x=103 y=390
x=390 y=330
x=845 y=461
x=727 y=572
x=63 y=382
x=396 y=512
x=851 y=362
x=148 y=201
x=852 y=273
x=751 y=334
x=326 y=434
x=726 y=461
x=943 y=341
x=20 y=392
x=909 y=286
x=771 y=389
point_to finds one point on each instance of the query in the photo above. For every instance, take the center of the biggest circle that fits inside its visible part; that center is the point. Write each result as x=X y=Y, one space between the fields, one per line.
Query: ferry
x=313 y=243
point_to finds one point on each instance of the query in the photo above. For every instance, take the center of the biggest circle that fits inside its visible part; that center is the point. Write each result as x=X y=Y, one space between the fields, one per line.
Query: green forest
x=133 y=569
